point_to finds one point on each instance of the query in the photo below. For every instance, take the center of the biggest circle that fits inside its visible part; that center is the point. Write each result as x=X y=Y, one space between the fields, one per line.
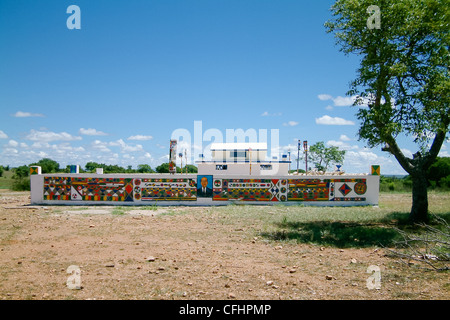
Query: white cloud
x=21 y=114
x=267 y=114
x=324 y=97
x=46 y=136
x=338 y=101
x=344 y=101
x=342 y=145
x=13 y=143
x=100 y=146
x=140 y=137
x=343 y=137
x=327 y=120
x=329 y=108
x=10 y=151
x=3 y=135
x=408 y=153
x=290 y=124
x=125 y=147
x=92 y=132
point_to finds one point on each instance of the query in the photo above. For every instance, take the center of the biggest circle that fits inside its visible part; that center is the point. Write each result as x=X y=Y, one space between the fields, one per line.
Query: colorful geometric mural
x=250 y=189
x=78 y=188
x=308 y=190
x=56 y=188
x=88 y=189
x=375 y=170
x=347 y=189
x=180 y=189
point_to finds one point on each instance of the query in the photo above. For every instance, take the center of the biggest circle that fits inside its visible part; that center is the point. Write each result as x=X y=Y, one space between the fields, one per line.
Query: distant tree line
x=21 y=180
x=438 y=174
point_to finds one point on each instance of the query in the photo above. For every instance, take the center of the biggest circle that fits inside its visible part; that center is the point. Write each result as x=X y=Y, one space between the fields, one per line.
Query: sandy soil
x=187 y=254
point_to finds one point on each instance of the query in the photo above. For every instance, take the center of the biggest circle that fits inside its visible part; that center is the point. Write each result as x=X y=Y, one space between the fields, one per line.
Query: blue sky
x=115 y=90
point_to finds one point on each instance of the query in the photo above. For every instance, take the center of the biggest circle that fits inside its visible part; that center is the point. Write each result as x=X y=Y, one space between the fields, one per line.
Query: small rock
x=269 y=283
x=231 y=295
x=278 y=247
x=109 y=265
x=151 y=259
x=328 y=277
x=322 y=248
x=161 y=268
x=292 y=270
x=353 y=260
x=92 y=226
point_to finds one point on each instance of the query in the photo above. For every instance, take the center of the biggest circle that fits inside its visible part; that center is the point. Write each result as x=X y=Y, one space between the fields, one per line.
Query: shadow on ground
x=341 y=234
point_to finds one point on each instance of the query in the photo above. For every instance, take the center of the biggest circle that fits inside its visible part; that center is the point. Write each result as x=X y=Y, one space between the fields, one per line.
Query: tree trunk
x=419 y=210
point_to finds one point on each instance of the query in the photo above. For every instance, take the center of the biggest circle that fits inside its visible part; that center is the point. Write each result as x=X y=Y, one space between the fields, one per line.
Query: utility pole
x=298 y=153
x=305 y=147
x=289 y=153
x=185 y=156
x=181 y=158
x=250 y=157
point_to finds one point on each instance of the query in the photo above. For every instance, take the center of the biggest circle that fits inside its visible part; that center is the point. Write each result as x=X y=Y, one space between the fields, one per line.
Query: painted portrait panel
x=204 y=186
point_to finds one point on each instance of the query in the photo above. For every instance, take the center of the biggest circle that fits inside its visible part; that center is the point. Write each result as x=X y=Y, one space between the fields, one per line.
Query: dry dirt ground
x=182 y=253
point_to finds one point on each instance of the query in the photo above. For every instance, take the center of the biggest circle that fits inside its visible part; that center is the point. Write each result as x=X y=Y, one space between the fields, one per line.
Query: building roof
x=239 y=146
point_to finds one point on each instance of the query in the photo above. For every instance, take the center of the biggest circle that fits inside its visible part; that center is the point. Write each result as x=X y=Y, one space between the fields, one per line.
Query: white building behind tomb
x=242 y=159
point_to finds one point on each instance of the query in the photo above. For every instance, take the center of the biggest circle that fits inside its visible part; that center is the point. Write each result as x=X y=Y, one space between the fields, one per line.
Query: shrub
x=21 y=184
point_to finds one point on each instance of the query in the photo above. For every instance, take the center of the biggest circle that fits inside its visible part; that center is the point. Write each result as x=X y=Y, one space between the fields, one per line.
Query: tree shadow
x=341 y=234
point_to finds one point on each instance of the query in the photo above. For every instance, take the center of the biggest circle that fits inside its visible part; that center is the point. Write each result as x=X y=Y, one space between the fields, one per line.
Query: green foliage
x=21 y=184
x=323 y=157
x=190 y=168
x=393 y=184
x=405 y=61
x=21 y=172
x=145 y=168
x=1 y=170
x=439 y=172
x=107 y=168
x=20 y=179
x=47 y=165
x=163 y=168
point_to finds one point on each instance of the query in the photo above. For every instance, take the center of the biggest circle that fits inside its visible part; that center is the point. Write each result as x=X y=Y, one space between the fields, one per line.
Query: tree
x=21 y=172
x=144 y=168
x=439 y=172
x=47 y=165
x=190 y=168
x=323 y=157
x=403 y=77
x=21 y=181
x=162 y=168
x=91 y=166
